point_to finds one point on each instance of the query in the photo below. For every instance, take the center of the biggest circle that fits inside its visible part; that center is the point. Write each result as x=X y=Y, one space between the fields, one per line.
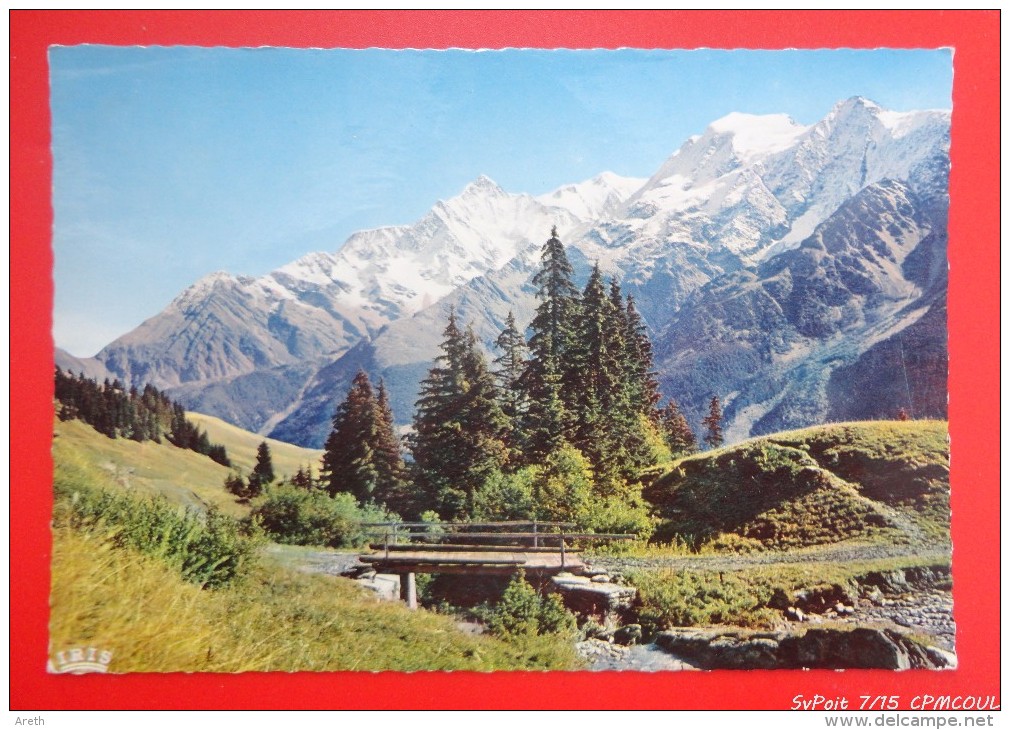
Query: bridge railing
x=446 y=536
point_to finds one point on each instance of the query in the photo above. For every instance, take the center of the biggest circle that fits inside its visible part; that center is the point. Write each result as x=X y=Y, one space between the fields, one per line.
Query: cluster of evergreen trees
x=559 y=426
x=578 y=395
x=147 y=415
x=678 y=434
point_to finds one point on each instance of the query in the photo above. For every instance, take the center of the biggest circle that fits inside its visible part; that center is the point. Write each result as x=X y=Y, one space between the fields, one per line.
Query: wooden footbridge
x=475 y=548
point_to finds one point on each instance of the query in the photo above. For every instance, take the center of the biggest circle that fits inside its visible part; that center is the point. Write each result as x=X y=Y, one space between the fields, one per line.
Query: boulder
x=860 y=648
x=888 y=581
x=795 y=614
x=627 y=635
x=386 y=587
x=814 y=648
x=821 y=598
x=582 y=595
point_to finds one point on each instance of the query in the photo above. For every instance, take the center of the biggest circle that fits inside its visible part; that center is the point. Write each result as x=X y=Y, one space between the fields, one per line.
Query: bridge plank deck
x=426 y=560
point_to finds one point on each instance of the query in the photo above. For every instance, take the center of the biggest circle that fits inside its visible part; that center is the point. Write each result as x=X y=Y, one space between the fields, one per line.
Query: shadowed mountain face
x=799 y=273
x=769 y=339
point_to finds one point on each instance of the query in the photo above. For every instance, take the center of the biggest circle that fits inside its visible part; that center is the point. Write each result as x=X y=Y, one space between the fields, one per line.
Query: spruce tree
x=303 y=478
x=435 y=435
x=678 y=434
x=391 y=487
x=549 y=379
x=713 y=423
x=510 y=367
x=600 y=412
x=644 y=383
x=553 y=325
x=349 y=448
x=459 y=428
x=264 y=469
x=612 y=360
x=545 y=421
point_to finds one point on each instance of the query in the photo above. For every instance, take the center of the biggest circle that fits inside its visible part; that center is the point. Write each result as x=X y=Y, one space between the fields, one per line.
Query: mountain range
x=797 y=272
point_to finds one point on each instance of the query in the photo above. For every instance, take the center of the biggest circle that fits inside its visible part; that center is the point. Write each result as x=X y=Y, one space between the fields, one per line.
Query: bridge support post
x=408 y=590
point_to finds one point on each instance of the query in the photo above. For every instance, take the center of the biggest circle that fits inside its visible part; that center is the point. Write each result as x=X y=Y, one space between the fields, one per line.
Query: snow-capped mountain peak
x=859 y=195
x=753 y=136
x=202 y=287
x=395 y=271
x=593 y=198
x=482 y=186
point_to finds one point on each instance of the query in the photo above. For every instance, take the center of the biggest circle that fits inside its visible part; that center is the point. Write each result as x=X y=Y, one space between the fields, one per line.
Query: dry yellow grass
x=137 y=608
x=276 y=620
x=145 y=469
x=241 y=446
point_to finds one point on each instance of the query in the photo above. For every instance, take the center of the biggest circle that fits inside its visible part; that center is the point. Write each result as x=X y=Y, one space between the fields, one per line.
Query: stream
x=605 y=657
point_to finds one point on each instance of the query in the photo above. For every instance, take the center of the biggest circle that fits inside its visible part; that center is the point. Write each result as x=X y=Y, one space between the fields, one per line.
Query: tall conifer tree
x=678 y=434
x=713 y=423
x=349 y=454
x=598 y=410
x=510 y=367
x=645 y=385
x=264 y=468
x=392 y=476
x=548 y=373
x=459 y=427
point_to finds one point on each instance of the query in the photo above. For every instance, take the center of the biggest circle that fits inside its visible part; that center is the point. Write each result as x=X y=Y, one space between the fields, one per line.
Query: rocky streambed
x=897 y=619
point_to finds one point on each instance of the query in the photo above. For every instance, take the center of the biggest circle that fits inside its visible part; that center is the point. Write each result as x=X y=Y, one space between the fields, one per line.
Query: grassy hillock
x=145 y=469
x=183 y=477
x=241 y=446
x=884 y=481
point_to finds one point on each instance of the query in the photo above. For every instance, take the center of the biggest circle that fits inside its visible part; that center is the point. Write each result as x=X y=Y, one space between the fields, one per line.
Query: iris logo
x=80 y=660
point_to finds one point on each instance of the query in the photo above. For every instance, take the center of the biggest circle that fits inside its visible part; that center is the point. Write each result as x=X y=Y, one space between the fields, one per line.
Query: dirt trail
x=842 y=554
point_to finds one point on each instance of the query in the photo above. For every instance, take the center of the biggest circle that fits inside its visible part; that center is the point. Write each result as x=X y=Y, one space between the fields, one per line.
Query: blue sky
x=171 y=163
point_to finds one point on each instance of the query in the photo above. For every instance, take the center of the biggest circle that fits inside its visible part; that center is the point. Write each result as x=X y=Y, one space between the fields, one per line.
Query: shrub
x=623 y=515
x=207 y=548
x=563 y=487
x=296 y=516
x=668 y=599
x=522 y=612
x=506 y=496
x=730 y=542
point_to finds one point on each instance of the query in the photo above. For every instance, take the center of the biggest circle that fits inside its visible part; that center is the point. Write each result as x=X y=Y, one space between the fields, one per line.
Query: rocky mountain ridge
x=769 y=259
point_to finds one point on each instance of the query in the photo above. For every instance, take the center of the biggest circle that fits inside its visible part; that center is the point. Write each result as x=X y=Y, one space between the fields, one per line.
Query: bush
x=563 y=487
x=730 y=542
x=506 y=496
x=668 y=599
x=522 y=612
x=622 y=515
x=207 y=548
x=296 y=516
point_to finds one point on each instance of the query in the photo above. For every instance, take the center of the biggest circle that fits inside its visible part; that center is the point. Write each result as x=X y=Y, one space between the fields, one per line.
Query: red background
x=974 y=350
